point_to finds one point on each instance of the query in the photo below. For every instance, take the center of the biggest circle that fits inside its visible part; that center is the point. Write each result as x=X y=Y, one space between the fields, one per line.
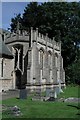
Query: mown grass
x=70 y=91
x=38 y=109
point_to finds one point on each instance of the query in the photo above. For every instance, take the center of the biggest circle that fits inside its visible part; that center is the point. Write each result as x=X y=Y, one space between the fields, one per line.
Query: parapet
x=36 y=36
x=16 y=37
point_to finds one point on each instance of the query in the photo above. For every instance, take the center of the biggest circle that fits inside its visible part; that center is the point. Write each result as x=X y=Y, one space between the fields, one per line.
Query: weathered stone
x=37 y=63
x=72 y=99
x=23 y=94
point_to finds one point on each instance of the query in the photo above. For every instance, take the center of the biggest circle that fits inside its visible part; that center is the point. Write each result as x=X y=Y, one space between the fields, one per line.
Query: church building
x=30 y=60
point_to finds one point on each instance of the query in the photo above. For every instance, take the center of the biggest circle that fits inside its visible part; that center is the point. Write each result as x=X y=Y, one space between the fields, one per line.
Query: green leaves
x=14 y=22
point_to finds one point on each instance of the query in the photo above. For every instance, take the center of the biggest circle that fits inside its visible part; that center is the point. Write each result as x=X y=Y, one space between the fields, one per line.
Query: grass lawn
x=71 y=91
x=38 y=109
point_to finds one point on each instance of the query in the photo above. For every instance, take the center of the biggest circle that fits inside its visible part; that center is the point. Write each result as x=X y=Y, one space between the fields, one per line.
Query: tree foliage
x=60 y=20
x=73 y=71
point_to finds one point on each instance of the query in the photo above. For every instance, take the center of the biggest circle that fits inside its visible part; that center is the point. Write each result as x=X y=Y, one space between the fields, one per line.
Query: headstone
x=60 y=90
x=23 y=94
x=56 y=91
x=55 y=94
x=38 y=93
x=48 y=91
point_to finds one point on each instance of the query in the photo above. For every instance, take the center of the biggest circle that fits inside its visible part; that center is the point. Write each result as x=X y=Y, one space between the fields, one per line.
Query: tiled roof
x=4 y=51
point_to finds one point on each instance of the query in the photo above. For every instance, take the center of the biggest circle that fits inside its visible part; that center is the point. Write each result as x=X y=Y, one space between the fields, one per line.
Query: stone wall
x=42 y=60
x=50 y=71
x=6 y=73
x=6 y=84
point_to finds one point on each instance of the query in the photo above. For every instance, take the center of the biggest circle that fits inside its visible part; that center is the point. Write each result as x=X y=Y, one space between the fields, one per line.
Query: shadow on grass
x=74 y=106
x=78 y=114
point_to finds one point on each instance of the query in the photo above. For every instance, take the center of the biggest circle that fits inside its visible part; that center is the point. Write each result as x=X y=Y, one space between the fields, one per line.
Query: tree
x=15 y=21
x=73 y=72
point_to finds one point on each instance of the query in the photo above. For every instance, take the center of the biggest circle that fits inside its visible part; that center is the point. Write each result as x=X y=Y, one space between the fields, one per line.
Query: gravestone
x=23 y=94
x=59 y=82
x=48 y=91
x=56 y=91
x=50 y=94
x=38 y=93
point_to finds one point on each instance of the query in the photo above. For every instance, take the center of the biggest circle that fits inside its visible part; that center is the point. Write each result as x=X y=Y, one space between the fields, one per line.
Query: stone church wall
x=6 y=74
x=50 y=72
x=42 y=63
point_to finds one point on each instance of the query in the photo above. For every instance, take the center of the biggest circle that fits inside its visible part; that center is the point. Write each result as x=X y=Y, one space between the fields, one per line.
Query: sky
x=9 y=9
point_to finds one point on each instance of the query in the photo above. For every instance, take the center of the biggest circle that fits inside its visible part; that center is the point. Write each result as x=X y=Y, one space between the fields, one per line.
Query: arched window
x=56 y=59
x=49 y=58
x=41 y=60
x=41 y=53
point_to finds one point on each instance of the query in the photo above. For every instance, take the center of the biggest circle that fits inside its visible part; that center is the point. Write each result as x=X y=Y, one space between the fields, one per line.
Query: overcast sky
x=9 y=9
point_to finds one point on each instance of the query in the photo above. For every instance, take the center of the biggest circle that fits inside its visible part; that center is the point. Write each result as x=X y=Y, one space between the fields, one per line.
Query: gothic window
x=49 y=58
x=41 y=55
x=16 y=58
x=41 y=58
x=21 y=58
x=56 y=59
